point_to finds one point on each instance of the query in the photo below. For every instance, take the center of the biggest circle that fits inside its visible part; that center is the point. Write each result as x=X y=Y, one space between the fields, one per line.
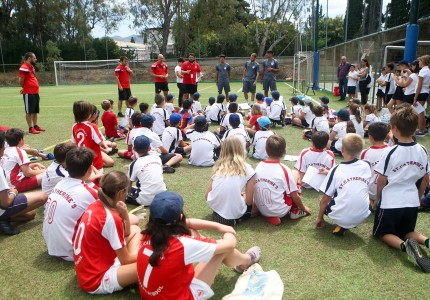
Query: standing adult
x=364 y=80
x=191 y=70
x=179 y=79
x=270 y=68
x=223 y=75
x=251 y=72
x=342 y=72
x=30 y=92
x=122 y=76
x=160 y=73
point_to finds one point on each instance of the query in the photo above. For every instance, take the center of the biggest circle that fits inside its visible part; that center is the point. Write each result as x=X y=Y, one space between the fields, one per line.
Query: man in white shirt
x=179 y=79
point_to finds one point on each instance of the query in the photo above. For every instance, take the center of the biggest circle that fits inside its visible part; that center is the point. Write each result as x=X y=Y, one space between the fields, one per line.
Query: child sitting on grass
x=260 y=138
x=295 y=108
x=253 y=126
x=319 y=123
x=277 y=110
x=225 y=122
x=131 y=104
x=20 y=173
x=132 y=134
x=275 y=192
x=238 y=132
x=328 y=112
x=172 y=138
x=143 y=107
x=231 y=189
x=160 y=115
x=211 y=111
x=346 y=193
x=343 y=126
x=306 y=115
x=260 y=101
x=400 y=168
x=355 y=116
x=110 y=122
x=187 y=116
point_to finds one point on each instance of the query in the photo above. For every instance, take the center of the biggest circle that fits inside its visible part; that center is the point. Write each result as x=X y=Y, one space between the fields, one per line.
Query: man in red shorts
x=190 y=69
x=159 y=72
x=122 y=76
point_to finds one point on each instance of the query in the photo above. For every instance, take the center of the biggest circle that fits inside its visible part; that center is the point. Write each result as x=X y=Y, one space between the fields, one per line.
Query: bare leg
x=127 y=275
x=392 y=240
x=187 y=149
x=119 y=105
x=174 y=160
x=390 y=105
x=39 y=178
x=29 y=120
x=252 y=97
x=107 y=160
x=133 y=240
x=34 y=118
x=165 y=94
x=421 y=122
x=416 y=235
x=246 y=96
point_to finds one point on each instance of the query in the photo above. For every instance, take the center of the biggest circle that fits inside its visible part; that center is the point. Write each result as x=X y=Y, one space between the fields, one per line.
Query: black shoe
x=417 y=255
x=120 y=115
x=339 y=231
x=167 y=169
x=7 y=229
x=113 y=151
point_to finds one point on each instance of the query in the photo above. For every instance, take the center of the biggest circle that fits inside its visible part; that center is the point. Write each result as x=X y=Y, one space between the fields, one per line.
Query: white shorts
x=109 y=282
x=200 y=289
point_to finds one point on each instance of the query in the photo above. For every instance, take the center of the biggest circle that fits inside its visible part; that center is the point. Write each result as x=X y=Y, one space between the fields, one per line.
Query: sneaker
x=167 y=169
x=33 y=158
x=120 y=114
x=33 y=131
x=7 y=229
x=276 y=221
x=299 y=214
x=420 y=133
x=339 y=231
x=49 y=156
x=38 y=128
x=41 y=151
x=417 y=255
x=255 y=254
x=113 y=151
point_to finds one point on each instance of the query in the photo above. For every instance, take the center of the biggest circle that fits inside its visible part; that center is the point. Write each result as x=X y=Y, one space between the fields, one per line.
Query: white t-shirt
x=340 y=129
x=402 y=164
x=263 y=107
x=373 y=155
x=295 y=110
x=309 y=115
x=178 y=79
x=225 y=122
x=410 y=89
x=425 y=74
x=320 y=124
x=389 y=78
x=203 y=146
x=259 y=143
x=169 y=107
x=196 y=107
x=53 y=175
x=171 y=137
x=276 y=108
x=225 y=198
x=381 y=79
x=132 y=134
x=155 y=140
x=240 y=133
x=359 y=129
x=347 y=184
x=315 y=158
x=13 y=158
x=126 y=120
x=67 y=202
x=351 y=80
x=161 y=116
x=147 y=172
x=372 y=118
x=3 y=185
x=273 y=183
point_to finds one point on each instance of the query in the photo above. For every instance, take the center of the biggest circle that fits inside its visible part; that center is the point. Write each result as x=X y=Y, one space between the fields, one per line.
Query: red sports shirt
x=253 y=122
x=175 y=271
x=123 y=74
x=109 y=121
x=159 y=69
x=31 y=85
x=192 y=77
x=87 y=134
x=95 y=240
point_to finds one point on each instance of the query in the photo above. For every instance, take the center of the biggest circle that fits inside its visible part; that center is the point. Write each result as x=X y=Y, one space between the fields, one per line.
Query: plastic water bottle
x=385 y=116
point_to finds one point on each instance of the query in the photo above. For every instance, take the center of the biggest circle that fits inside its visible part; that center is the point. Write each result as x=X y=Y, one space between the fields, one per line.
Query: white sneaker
x=255 y=254
x=300 y=213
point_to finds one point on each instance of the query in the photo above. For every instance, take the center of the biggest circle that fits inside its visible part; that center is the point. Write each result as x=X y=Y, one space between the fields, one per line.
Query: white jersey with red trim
x=225 y=121
x=372 y=155
x=155 y=139
x=67 y=202
x=241 y=134
x=315 y=158
x=347 y=185
x=274 y=183
x=172 y=277
x=98 y=235
x=320 y=124
x=340 y=129
x=259 y=142
x=53 y=175
x=87 y=134
x=203 y=146
x=13 y=159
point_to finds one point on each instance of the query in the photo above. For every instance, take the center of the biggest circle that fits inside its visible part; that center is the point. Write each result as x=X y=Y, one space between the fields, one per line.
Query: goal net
x=302 y=72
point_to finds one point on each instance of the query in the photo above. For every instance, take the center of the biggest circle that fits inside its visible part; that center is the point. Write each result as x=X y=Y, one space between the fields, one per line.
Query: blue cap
x=268 y=100
x=200 y=121
x=259 y=96
x=141 y=143
x=301 y=97
x=196 y=96
x=325 y=106
x=234 y=120
x=167 y=206
x=211 y=100
x=307 y=99
x=170 y=97
x=147 y=120
x=325 y=99
x=232 y=97
x=175 y=118
x=343 y=114
x=264 y=122
x=276 y=95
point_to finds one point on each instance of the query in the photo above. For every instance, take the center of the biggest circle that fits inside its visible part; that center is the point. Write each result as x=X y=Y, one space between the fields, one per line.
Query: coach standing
x=160 y=73
x=342 y=72
x=223 y=76
x=270 y=68
x=122 y=76
x=251 y=71
x=190 y=69
x=30 y=92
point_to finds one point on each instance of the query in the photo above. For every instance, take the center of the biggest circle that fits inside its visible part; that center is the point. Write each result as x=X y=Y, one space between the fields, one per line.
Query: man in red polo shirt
x=123 y=73
x=30 y=92
x=159 y=72
x=190 y=70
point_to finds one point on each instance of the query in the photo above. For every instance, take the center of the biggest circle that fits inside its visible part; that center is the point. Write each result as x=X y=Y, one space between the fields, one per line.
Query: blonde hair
x=232 y=159
x=353 y=144
x=256 y=110
x=110 y=184
x=425 y=59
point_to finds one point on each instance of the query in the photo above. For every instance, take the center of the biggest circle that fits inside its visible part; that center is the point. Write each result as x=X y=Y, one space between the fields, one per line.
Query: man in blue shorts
x=251 y=72
x=270 y=68
x=223 y=75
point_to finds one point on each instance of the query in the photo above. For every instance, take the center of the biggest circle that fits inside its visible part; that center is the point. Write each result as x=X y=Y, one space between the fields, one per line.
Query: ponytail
x=355 y=110
x=110 y=184
x=350 y=128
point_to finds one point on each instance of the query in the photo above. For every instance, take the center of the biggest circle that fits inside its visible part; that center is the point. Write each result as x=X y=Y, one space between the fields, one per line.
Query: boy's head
x=61 y=150
x=352 y=144
x=264 y=123
x=294 y=100
x=110 y=101
x=79 y=162
x=143 y=107
x=343 y=115
x=324 y=100
x=276 y=146
x=14 y=136
x=187 y=104
x=200 y=124
x=132 y=101
x=234 y=120
x=259 y=97
x=220 y=98
x=175 y=119
x=403 y=122
x=378 y=131
x=275 y=95
x=147 y=121
x=352 y=68
x=170 y=98
x=142 y=144
x=389 y=67
x=159 y=99
x=232 y=97
x=211 y=100
x=196 y=96
x=318 y=110
x=106 y=105
x=233 y=107
x=81 y=110
x=320 y=140
x=136 y=118
x=180 y=61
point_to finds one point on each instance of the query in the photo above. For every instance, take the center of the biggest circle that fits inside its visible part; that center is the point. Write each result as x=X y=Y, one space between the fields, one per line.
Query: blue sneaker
x=49 y=156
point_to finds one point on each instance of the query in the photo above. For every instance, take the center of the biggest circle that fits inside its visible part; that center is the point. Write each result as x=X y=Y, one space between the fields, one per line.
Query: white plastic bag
x=385 y=116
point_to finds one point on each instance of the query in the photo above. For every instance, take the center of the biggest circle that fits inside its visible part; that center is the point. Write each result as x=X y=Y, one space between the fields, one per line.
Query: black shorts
x=31 y=103
x=166 y=157
x=409 y=98
x=304 y=123
x=179 y=150
x=249 y=87
x=17 y=206
x=189 y=88
x=231 y=222
x=124 y=94
x=380 y=93
x=398 y=94
x=422 y=97
x=351 y=89
x=161 y=86
x=397 y=221
x=388 y=98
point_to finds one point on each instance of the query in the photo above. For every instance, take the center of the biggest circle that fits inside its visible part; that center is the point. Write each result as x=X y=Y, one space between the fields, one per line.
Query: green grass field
x=312 y=263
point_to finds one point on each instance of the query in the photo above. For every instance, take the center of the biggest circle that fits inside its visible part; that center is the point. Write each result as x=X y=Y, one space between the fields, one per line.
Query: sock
x=403 y=247
x=427 y=243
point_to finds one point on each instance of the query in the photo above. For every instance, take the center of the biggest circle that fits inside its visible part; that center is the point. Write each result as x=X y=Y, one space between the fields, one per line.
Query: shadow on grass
x=350 y=241
x=46 y=262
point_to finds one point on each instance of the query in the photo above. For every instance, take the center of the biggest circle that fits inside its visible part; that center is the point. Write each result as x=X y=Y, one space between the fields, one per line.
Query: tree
x=335 y=31
x=397 y=13
x=355 y=18
x=372 y=16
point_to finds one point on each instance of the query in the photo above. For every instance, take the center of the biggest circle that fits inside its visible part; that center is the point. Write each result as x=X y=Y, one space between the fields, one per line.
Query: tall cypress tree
x=372 y=16
x=355 y=18
x=397 y=13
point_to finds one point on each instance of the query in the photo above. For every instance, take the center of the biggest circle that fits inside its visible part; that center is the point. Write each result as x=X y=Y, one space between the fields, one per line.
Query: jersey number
x=148 y=271
x=81 y=138
x=265 y=196
x=51 y=211
x=78 y=239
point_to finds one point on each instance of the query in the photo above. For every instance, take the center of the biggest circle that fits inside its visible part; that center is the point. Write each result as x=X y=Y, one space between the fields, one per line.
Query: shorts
x=249 y=87
x=305 y=124
x=161 y=86
x=223 y=85
x=179 y=150
x=380 y=93
x=329 y=206
x=351 y=89
x=409 y=98
x=124 y=94
x=388 y=98
x=31 y=103
x=26 y=184
x=397 y=221
x=422 y=97
x=128 y=154
x=231 y=222
x=109 y=282
x=189 y=88
x=200 y=289
x=269 y=83
x=166 y=157
x=18 y=205
x=398 y=94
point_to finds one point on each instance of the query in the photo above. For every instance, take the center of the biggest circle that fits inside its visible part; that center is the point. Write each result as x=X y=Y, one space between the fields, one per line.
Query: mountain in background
x=137 y=39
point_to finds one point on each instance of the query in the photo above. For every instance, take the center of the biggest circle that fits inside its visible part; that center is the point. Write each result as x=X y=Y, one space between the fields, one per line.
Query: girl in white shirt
x=410 y=81
x=422 y=92
x=352 y=82
x=355 y=116
x=371 y=115
x=380 y=93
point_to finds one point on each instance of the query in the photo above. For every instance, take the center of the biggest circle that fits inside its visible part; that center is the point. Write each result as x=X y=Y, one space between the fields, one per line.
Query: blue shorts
x=18 y=205
x=269 y=83
x=223 y=85
x=249 y=87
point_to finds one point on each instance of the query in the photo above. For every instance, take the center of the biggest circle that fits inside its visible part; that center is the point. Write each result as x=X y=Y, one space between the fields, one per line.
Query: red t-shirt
x=253 y=121
x=173 y=275
x=159 y=69
x=31 y=85
x=109 y=121
x=192 y=77
x=123 y=74
x=96 y=238
x=87 y=134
